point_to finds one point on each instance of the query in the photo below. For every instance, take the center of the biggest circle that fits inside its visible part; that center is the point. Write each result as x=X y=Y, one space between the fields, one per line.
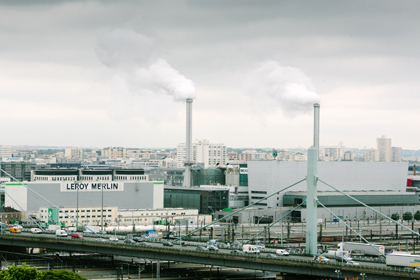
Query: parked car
x=352 y=263
x=282 y=252
x=129 y=241
x=167 y=243
x=212 y=248
x=237 y=252
x=201 y=248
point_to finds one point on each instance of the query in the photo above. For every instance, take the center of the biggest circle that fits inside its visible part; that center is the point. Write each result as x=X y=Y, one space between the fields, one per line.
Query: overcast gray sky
x=114 y=73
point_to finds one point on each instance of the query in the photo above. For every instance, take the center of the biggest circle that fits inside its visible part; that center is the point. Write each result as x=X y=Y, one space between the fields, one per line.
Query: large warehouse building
x=125 y=188
x=267 y=177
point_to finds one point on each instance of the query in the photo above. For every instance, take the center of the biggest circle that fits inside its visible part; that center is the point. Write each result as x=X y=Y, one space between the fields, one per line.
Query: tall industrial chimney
x=316 y=128
x=188 y=146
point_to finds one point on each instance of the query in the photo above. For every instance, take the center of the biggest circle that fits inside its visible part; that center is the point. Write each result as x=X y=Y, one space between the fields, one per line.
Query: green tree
x=25 y=272
x=395 y=216
x=407 y=216
x=417 y=216
x=21 y=272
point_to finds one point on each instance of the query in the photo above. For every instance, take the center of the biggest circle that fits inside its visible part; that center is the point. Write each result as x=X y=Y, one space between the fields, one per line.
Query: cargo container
x=363 y=248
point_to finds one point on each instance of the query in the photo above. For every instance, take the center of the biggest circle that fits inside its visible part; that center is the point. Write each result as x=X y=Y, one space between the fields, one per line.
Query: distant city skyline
x=107 y=73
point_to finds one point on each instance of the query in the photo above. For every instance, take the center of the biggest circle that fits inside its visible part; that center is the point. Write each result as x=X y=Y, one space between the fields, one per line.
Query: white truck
x=61 y=233
x=363 y=248
x=92 y=229
x=250 y=249
x=401 y=259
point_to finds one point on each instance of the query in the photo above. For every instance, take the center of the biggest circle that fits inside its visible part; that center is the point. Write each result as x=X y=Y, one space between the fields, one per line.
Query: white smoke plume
x=134 y=58
x=290 y=86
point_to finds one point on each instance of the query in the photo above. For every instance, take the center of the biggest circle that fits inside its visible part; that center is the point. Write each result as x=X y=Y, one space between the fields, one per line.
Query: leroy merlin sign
x=107 y=186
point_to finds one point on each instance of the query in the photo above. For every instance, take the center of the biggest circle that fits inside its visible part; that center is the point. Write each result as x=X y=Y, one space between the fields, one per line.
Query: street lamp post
x=342 y=244
x=363 y=275
x=3 y=229
x=212 y=212
x=102 y=208
x=338 y=273
x=77 y=202
x=258 y=227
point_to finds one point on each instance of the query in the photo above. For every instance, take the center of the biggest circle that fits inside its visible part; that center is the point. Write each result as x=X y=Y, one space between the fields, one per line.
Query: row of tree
x=407 y=216
x=25 y=272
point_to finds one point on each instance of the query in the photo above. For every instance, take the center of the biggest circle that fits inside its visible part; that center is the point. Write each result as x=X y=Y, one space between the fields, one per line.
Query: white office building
x=204 y=152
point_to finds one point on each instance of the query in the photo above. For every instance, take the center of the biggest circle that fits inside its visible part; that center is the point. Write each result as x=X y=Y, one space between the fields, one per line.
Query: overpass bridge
x=289 y=265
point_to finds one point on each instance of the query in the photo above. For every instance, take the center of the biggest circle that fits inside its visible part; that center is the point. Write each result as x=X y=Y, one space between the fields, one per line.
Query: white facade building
x=332 y=153
x=267 y=177
x=5 y=151
x=204 y=152
x=113 y=216
x=122 y=188
x=348 y=156
x=370 y=154
x=383 y=150
x=396 y=154
x=72 y=153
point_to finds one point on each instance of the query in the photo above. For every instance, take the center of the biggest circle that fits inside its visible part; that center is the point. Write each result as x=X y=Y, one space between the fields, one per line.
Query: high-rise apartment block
x=370 y=154
x=383 y=150
x=114 y=152
x=396 y=154
x=348 y=156
x=203 y=152
x=72 y=153
x=332 y=153
x=5 y=151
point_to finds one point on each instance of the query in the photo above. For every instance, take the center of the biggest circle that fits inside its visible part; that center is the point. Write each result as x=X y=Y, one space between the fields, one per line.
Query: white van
x=250 y=249
x=282 y=252
x=60 y=233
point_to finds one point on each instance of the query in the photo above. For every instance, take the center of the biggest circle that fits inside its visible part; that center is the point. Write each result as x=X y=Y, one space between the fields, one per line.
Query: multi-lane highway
x=155 y=250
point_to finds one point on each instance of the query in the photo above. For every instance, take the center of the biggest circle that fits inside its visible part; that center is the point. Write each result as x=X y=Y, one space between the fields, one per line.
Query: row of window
x=97 y=216
x=130 y=178
x=82 y=210
x=39 y=178
x=73 y=178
